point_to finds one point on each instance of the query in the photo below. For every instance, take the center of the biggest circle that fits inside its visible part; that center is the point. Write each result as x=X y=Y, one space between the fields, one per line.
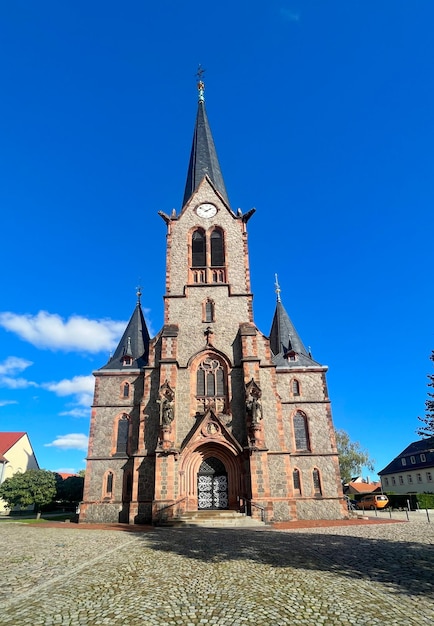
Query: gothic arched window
x=316 y=479
x=122 y=435
x=208 y=311
x=198 y=249
x=210 y=379
x=296 y=482
x=217 y=248
x=107 y=484
x=301 y=434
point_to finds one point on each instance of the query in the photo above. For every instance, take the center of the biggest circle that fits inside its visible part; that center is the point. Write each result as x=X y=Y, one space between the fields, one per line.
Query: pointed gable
x=7 y=440
x=203 y=156
x=133 y=349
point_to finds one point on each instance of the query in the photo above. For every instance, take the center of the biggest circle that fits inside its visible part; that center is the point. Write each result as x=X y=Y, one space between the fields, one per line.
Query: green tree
x=35 y=487
x=427 y=430
x=352 y=457
x=69 y=489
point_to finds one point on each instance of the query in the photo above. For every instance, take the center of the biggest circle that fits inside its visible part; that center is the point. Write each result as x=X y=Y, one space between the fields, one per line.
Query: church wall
x=187 y=313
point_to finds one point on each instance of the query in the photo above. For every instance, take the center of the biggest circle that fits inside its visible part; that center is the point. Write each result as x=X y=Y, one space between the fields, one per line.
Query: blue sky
x=322 y=117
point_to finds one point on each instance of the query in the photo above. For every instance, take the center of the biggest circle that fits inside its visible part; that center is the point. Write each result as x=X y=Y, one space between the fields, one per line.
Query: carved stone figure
x=166 y=402
x=253 y=402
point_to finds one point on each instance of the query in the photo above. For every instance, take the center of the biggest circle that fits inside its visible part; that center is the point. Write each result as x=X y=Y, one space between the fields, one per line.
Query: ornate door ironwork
x=212 y=485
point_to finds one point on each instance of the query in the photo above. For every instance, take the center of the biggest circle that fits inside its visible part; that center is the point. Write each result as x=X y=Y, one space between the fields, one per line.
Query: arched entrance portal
x=212 y=485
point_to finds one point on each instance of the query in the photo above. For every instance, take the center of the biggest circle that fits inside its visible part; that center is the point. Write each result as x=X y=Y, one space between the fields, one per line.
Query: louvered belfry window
x=198 y=249
x=217 y=249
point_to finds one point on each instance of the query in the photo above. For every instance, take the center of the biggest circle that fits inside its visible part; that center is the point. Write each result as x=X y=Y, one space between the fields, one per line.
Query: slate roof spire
x=285 y=342
x=203 y=156
x=133 y=349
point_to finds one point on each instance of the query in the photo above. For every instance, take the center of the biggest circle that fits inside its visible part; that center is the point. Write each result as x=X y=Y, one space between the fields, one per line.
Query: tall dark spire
x=133 y=349
x=203 y=157
x=285 y=343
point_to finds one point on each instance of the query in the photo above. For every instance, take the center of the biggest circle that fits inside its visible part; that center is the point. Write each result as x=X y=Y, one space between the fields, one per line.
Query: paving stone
x=343 y=575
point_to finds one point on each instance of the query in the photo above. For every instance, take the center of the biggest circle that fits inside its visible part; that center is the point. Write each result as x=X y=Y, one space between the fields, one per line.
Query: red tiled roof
x=64 y=475
x=363 y=487
x=7 y=440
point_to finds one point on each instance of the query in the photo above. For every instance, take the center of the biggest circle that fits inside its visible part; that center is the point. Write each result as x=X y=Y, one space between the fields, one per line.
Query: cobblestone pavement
x=363 y=575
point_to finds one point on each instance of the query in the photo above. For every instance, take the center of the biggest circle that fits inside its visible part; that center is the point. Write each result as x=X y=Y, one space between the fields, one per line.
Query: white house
x=16 y=455
x=412 y=471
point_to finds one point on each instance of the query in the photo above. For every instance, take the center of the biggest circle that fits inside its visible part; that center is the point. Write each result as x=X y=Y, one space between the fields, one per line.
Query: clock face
x=206 y=210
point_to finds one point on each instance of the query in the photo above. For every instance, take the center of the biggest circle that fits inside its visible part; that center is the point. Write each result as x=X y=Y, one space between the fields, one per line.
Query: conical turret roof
x=133 y=349
x=285 y=342
x=203 y=157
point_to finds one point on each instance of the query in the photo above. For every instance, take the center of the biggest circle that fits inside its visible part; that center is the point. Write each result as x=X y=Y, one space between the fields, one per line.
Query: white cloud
x=72 y=441
x=16 y=383
x=76 y=334
x=14 y=365
x=77 y=412
x=6 y=402
x=11 y=366
x=80 y=386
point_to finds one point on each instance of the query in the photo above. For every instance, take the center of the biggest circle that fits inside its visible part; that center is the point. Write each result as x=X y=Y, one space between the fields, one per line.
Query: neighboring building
x=359 y=487
x=210 y=413
x=412 y=471
x=16 y=455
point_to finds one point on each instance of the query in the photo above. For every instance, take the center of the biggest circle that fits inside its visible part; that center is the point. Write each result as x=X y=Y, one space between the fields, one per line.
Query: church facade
x=210 y=413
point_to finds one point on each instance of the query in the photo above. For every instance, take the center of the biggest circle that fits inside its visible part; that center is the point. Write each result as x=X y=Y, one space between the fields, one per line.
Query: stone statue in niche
x=166 y=401
x=253 y=402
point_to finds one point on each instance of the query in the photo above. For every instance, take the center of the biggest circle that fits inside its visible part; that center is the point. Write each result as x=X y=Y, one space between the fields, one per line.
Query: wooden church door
x=212 y=485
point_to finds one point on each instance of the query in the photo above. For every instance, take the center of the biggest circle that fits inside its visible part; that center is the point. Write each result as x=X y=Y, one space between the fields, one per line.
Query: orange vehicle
x=373 y=502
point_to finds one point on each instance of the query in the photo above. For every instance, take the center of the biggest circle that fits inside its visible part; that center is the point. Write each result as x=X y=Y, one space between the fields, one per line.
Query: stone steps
x=213 y=519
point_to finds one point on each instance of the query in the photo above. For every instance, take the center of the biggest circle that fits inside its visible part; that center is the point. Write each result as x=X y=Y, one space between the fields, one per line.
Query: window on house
x=296 y=482
x=413 y=459
x=198 y=249
x=295 y=388
x=217 y=248
x=403 y=461
x=316 y=482
x=301 y=434
x=401 y=480
x=122 y=435
x=386 y=481
x=126 y=390
x=422 y=458
x=429 y=477
x=409 y=479
x=419 y=478
x=393 y=480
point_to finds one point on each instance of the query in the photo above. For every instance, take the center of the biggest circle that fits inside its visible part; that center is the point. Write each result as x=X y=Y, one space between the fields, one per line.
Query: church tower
x=210 y=413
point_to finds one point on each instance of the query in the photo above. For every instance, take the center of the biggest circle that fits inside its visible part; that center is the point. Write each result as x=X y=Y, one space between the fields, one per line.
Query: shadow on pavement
x=407 y=566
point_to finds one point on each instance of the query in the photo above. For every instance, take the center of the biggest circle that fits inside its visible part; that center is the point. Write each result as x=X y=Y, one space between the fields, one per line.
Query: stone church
x=210 y=413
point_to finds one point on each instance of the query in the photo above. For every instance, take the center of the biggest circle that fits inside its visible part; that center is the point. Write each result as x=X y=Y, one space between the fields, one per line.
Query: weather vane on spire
x=138 y=294
x=277 y=287
x=200 y=84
